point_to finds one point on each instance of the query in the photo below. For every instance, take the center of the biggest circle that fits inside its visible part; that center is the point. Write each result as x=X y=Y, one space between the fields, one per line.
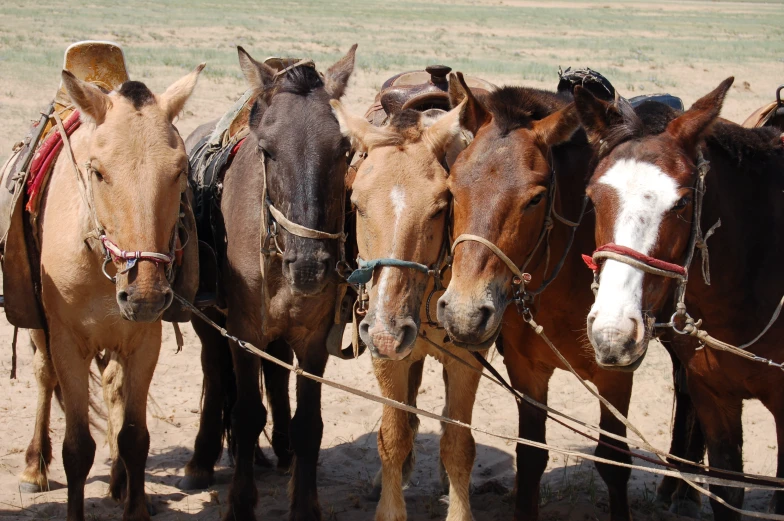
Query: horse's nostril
x=122 y=296
x=168 y=297
x=486 y=312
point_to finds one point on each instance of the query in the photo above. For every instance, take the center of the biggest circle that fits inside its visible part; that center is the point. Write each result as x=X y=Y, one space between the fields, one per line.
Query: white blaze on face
x=645 y=193
x=398 y=201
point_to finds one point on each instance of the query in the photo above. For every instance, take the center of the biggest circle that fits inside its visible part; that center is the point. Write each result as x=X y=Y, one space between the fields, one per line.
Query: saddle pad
x=668 y=99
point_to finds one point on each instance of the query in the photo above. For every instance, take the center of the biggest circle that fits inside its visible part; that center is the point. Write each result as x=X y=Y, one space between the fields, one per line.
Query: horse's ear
x=440 y=135
x=557 y=127
x=91 y=101
x=473 y=114
x=597 y=116
x=173 y=100
x=362 y=133
x=688 y=128
x=256 y=73
x=336 y=78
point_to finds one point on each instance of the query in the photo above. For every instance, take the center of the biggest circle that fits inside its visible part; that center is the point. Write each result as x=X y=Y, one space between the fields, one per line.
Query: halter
x=361 y=276
x=520 y=278
x=661 y=268
x=110 y=250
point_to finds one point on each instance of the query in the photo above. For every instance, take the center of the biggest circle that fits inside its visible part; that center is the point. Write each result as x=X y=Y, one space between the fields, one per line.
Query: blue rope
x=364 y=272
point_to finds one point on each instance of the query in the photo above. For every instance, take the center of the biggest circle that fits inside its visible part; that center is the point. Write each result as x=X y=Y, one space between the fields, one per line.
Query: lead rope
x=250 y=348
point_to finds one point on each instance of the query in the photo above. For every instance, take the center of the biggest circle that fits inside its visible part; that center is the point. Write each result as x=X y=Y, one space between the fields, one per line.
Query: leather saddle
x=770 y=115
x=601 y=87
x=418 y=90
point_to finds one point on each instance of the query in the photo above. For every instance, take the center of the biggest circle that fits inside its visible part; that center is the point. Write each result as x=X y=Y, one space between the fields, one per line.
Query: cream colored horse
x=402 y=201
x=126 y=181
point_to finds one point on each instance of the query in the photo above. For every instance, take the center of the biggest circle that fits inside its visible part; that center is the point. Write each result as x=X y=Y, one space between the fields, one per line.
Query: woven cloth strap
x=364 y=273
x=501 y=255
x=302 y=231
x=639 y=260
x=118 y=253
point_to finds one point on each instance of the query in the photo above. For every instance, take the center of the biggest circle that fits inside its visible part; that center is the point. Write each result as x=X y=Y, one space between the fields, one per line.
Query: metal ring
x=674 y=327
x=106 y=261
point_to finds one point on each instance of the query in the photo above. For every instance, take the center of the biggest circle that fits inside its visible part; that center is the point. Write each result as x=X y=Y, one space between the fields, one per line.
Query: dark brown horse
x=645 y=190
x=295 y=137
x=502 y=188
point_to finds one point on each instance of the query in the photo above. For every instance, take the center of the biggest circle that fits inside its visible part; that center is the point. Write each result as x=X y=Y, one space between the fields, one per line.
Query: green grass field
x=640 y=46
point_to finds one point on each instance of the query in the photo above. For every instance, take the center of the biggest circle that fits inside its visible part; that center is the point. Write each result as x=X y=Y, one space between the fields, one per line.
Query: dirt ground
x=571 y=488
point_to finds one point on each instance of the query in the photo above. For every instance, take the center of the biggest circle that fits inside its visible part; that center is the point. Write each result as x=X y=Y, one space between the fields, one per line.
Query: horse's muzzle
x=472 y=324
x=307 y=276
x=143 y=306
x=393 y=339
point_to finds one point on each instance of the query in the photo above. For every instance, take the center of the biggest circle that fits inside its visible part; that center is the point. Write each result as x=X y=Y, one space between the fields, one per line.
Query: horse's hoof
x=375 y=494
x=686 y=508
x=30 y=488
x=194 y=482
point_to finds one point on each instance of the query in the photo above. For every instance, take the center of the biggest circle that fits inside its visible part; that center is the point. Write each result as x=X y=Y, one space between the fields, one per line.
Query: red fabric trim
x=237 y=147
x=588 y=260
x=650 y=261
x=45 y=157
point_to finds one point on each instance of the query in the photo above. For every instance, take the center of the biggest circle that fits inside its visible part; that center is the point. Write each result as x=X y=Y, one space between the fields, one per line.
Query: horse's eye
x=98 y=175
x=438 y=214
x=536 y=200
x=360 y=211
x=265 y=153
x=682 y=203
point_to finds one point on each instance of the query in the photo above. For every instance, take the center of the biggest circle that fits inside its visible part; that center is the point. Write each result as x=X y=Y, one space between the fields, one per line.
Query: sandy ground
x=571 y=489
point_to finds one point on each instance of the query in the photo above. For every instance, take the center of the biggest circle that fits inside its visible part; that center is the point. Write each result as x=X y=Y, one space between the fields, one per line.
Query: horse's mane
x=745 y=147
x=300 y=81
x=517 y=107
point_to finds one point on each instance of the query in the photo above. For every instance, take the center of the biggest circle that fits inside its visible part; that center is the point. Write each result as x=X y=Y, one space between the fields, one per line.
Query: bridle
x=661 y=268
x=521 y=295
x=109 y=249
x=361 y=277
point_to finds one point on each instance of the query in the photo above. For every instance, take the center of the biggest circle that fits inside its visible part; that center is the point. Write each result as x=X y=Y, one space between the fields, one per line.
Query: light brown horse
x=401 y=199
x=502 y=186
x=125 y=184
x=645 y=189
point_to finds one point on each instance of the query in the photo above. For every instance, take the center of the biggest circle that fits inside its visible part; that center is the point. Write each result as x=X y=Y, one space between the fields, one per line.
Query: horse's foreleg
x=39 y=452
x=532 y=380
x=112 y=383
x=247 y=421
x=458 y=448
x=616 y=388
x=276 y=382
x=395 y=438
x=777 y=501
x=218 y=380
x=720 y=417
x=73 y=372
x=133 y=439
x=307 y=429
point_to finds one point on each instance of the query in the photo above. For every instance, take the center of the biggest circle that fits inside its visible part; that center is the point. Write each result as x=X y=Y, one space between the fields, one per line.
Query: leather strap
x=492 y=247
x=302 y=231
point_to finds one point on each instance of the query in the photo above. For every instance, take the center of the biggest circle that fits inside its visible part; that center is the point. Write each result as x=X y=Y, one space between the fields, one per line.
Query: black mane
x=300 y=80
x=517 y=107
x=137 y=93
x=745 y=146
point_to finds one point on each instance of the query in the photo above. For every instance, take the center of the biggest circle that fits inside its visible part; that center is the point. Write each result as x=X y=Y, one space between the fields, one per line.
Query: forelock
x=137 y=93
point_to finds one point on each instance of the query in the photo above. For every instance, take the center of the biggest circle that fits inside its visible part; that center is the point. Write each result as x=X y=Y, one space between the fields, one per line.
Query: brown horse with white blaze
x=525 y=168
x=646 y=190
x=123 y=188
x=401 y=197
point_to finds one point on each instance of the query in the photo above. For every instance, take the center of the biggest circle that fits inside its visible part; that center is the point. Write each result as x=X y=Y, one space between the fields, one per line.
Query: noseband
x=658 y=267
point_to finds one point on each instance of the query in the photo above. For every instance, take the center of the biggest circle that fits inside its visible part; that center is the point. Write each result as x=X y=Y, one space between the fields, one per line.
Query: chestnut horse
x=402 y=186
x=290 y=173
x=121 y=189
x=645 y=189
x=524 y=168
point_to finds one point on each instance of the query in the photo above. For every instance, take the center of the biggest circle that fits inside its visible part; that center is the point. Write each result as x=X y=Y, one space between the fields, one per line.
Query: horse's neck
x=63 y=192
x=746 y=198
